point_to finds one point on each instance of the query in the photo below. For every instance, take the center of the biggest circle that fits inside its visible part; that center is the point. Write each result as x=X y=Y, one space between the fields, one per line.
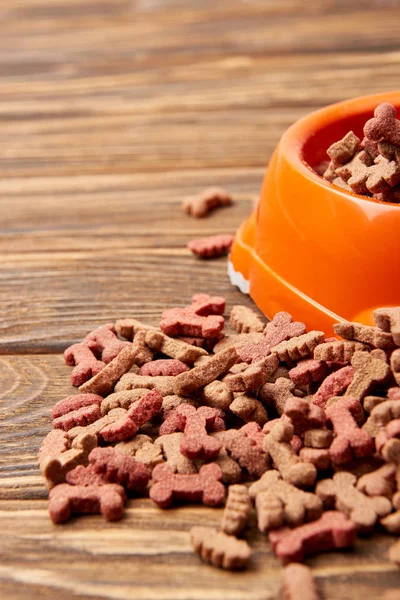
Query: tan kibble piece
x=277 y=394
x=97 y=426
x=394 y=553
x=279 y=503
x=253 y=376
x=170 y=445
x=173 y=348
x=132 y=446
x=298 y=347
x=202 y=360
x=318 y=438
x=128 y=328
x=236 y=341
x=319 y=457
x=142 y=448
x=381 y=482
x=103 y=382
x=370 y=402
x=249 y=409
x=57 y=455
x=364 y=334
x=245 y=320
x=199 y=377
x=144 y=353
x=392 y=522
x=291 y=467
x=340 y=492
x=282 y=372
x=343 y=151
x=231 y=471
x=369 y=372
x=131 y=381
x=199 y=206
x=388 y=319
x=173 y=401
x=298 y=582
x=219 y=549
x=237 y=510
x=121 y=400
x=338 y=351
x=395 y=365
x=217 y=395
x=381 y=415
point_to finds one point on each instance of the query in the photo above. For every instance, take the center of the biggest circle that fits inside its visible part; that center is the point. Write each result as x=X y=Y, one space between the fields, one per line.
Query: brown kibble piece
x=130 y=381
x=123 y=399
x=211 y=198
x=237 y=510
x=128 y=328
x=340 y=352
x=318 y=438
x=163 y=367
x=245 y=320
x=142 y=448
x=392 y=522
x=298 y=580
x=363 y=510
x=66 y=500
x=217 y=395
x=249 y=409
x=212 y=246
x=136 y=416
x=304 y=415
x=381 y=415
x=278 y=502
x=369 y=372
x=199 y=377
x=365 y=334
x=299 y=347
x=96 y=427
x=103 y=382
x=395 y=365
x=343 y=151
x=245 y=449
x=177 y=349
x=345 y=415
x=388 y=319
x=253 y=376
x=291 y=467
x=319 y=457
x=219 y=549
x=231 y=471
x=381 y=482
x=277 y=394
x=170 y=445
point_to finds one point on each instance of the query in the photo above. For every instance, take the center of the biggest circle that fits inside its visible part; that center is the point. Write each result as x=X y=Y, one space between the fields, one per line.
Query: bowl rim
x=295 y=137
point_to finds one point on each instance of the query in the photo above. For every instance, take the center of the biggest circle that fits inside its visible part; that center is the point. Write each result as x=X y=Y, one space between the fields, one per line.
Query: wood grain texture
x=112 y=111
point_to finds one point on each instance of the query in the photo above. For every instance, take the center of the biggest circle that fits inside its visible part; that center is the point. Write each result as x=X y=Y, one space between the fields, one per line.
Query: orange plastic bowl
x=311 y=248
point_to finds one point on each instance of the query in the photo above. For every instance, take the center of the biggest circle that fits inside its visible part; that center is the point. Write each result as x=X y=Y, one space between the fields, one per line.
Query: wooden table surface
x=111 y=111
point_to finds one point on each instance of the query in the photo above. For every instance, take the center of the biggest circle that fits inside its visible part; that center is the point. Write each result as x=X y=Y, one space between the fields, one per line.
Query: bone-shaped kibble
x=131 y=381
x=137 y=415
x=104 y=342
x=364 y=334
x=66 y=500
x=84 y=362
x=384 y=125
x=199 y=377
x=71 y=403
x=291 y=467
x=141 y=447
x=58 y=455
x=297 y=577
x=123 y=399
x=128 y=328
x=196 y=444
x=342 y=151
x=119 y=468
x=334 y=385
x=369 y=372
x=381 y=482
x=278 y=503
x=299 y=347
x=249 y=409
x=173 y=401
x=395 y=365
x=338 y=351
x=80 y=417
x=245 y=320
x=388 y=319
x=217 y=395
x=246 y=450
x=202 y=318
x=350 y=440
x=319 y=457
x=304 y=415
x=254 y=376
x=163 y=367
x=199 y=206
x=364 y=175
x=170 y=445
x=237 y=510
x=277 y=394
x=341 y=493
x=308 y=371
x=177 y=349
x=219 y=549
x=96 y=427
x=392 y=522
x=103 y=382
x=332 y=530
x=388 y=442
x=318 y=438
x=211 y=246
x=205 y=486
x=381 y=415
x=231 y=470
x=84 y=476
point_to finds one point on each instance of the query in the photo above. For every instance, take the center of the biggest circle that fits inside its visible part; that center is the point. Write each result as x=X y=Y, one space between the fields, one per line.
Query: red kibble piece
x=334 y=385
x=196 y=444
x=205 y=486
x=138 y=414
x=66 y=500
x=71 y=403
x=303 y=415
x=297 y=577
x=350 y=440
x=163 y=367
x=199 y=206
x=384 y=126
x=212 y=246
x=80 y=417
x=103 y=342
x=84 y=476
x=119 y=468
x=180 y=321
x=245 y=449
x=205 y=305
x=282 y=328
x=307 y=371
x=332 y=530
x=86 y=364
